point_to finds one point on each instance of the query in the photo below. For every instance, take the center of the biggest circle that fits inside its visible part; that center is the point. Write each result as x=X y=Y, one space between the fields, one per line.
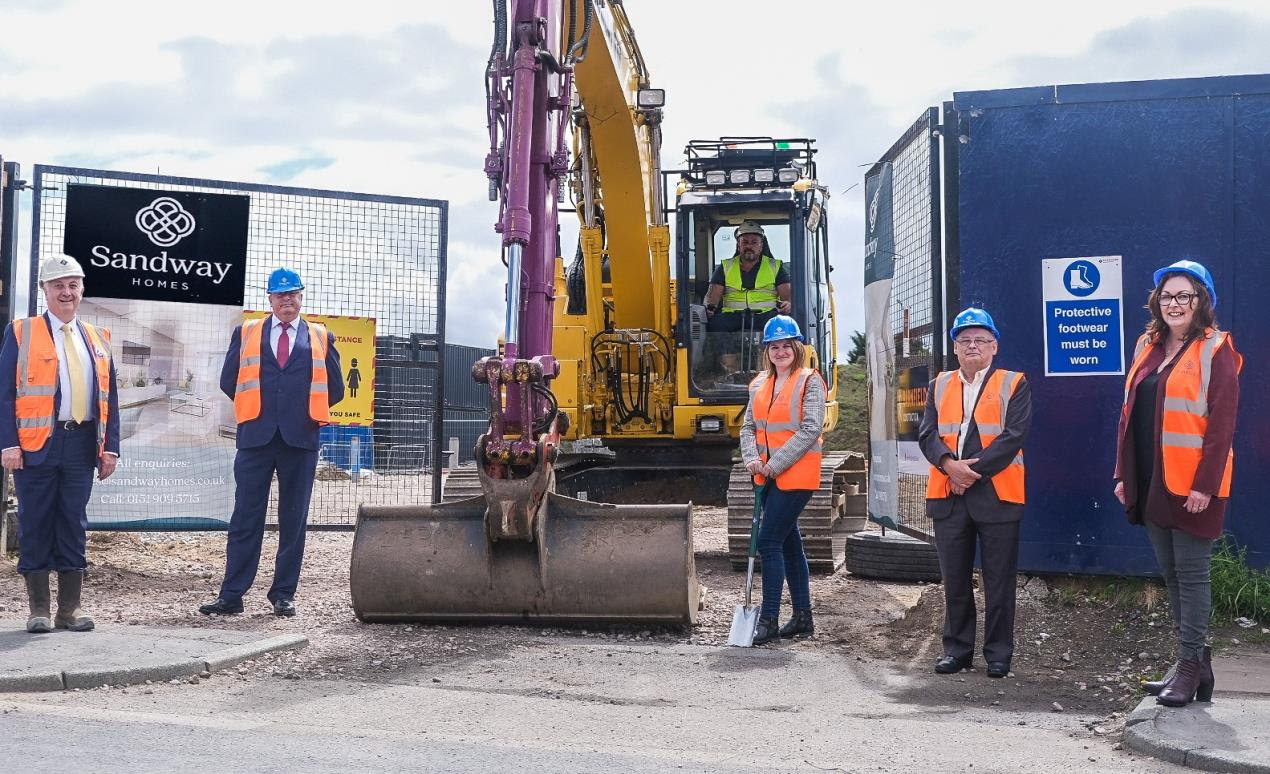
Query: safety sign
x=1084 y=326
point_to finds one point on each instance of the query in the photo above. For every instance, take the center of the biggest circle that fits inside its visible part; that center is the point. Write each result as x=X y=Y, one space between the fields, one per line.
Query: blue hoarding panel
x=1150 y=180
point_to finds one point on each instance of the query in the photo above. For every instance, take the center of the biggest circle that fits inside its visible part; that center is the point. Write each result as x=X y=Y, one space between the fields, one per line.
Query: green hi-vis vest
x=762 y=298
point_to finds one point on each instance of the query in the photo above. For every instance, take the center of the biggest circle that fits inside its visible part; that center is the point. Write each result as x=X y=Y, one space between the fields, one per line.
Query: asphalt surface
x=565 y=707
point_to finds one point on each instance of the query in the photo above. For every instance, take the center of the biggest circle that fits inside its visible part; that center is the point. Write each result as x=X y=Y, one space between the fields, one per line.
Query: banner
x=910 y=404
x=146 y=244
x=164 y=273
x=355 y=341
x=879 y=269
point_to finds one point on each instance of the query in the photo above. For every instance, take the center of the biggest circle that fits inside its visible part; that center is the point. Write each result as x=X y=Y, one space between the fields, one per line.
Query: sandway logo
x=165 y=221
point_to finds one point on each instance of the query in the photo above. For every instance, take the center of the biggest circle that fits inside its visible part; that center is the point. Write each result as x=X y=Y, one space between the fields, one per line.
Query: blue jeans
x=780 y=547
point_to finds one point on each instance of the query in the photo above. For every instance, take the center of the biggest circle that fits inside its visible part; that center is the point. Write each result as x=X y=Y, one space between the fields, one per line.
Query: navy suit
x=56 y=481
x=283 y=439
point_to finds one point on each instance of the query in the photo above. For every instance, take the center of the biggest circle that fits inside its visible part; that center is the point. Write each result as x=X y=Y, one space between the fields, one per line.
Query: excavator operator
x=749 y=288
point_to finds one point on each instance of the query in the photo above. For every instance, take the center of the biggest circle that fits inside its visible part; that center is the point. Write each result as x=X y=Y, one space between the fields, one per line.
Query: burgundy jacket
x=1161 y=507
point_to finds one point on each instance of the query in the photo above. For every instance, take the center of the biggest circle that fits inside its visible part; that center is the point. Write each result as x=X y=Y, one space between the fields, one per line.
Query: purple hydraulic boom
x=521 y=551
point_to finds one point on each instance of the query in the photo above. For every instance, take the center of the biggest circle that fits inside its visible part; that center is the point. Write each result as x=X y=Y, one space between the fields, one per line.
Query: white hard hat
x=748 y=227
x=58 y=266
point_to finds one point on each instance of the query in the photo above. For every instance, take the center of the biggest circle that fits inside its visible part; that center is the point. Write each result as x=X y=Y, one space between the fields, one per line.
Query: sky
x=387 y=97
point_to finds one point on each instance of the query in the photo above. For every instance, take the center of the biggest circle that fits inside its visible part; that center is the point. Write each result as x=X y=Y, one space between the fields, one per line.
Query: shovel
x=745 y=617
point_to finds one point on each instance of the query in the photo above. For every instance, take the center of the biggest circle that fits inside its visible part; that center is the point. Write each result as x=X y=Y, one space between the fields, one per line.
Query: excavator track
x=824 y=523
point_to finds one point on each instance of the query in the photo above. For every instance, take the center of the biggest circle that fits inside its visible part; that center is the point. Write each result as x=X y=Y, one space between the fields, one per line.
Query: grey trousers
x=1184 y=562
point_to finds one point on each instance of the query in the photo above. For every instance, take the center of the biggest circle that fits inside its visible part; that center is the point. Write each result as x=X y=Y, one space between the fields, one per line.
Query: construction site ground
x=1082 y=647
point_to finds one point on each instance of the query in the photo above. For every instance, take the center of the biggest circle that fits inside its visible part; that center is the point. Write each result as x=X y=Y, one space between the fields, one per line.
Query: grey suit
x=980 y=519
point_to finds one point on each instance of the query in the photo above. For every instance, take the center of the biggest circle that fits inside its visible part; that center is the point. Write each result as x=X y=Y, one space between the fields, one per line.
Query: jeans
x=780 y=547
x=1184 y=562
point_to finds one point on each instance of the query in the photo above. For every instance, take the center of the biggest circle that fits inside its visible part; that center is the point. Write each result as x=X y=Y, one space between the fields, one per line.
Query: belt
x=70 y=425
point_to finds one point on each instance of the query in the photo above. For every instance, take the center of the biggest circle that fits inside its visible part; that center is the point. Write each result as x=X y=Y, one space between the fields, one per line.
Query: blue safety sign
x=1084 y=331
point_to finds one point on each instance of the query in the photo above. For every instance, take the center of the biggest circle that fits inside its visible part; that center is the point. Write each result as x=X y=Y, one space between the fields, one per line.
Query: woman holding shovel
x=781 y=445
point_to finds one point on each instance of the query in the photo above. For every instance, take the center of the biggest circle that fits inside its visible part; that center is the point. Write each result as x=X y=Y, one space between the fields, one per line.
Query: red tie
x=284 y=346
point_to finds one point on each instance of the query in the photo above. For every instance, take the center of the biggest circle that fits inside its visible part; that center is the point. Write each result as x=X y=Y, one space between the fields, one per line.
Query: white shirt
x=275 y=333
x=64 y=372
x=969 y=395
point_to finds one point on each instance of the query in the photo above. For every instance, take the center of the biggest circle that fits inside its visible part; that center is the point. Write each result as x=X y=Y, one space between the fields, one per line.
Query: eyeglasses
x=1182 y=299
x=980 y=343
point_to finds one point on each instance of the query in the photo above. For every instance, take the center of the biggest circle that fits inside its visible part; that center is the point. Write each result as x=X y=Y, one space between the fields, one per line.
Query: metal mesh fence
x=361 y=255
x=912 y=314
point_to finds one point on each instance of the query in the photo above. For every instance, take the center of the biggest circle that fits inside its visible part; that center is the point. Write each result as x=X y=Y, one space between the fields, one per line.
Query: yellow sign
x=355 y=341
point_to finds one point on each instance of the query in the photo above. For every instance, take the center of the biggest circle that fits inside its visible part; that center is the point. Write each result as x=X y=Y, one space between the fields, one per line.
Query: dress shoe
x=800 y=625
x=998 y=668
x=951 y=665
x=766 y=631
x=222 y=606
x=283 y=607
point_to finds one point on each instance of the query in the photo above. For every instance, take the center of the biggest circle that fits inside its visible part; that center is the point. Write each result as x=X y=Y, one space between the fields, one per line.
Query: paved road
x=559 y=707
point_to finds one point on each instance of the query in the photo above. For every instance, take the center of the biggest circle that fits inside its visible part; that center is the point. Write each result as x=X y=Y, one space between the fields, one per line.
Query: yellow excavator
x=616 y=386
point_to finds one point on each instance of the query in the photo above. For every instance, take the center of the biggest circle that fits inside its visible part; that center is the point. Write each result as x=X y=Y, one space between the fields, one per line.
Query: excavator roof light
x=764 y=175
x=716 y=177
x=739 y=176
x=788 y=175
x=651 y=98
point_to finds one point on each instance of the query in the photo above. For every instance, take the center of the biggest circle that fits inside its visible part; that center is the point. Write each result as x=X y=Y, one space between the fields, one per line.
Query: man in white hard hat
x=59 y=422
x=751 y=286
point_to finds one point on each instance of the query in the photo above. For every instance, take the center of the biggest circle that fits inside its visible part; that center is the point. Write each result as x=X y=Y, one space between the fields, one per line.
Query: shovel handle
x=760 y=494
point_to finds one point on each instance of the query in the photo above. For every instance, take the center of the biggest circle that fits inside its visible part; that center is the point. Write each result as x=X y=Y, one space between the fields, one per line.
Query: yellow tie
x=79 y=395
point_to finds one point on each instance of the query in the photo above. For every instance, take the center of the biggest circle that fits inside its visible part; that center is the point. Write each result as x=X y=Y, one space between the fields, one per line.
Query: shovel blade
x=744 y=624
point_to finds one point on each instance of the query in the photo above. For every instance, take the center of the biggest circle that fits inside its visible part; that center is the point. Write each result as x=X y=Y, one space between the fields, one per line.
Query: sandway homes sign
x=158 y=245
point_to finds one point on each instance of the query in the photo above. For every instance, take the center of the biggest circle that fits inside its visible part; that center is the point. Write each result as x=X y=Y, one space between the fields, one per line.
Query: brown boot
x=1194 y=680
x=1154 y=687
x=37 y=594
x=70 y=585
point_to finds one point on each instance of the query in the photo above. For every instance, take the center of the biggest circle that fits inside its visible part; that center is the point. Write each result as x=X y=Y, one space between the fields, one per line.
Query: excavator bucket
x=588 y=563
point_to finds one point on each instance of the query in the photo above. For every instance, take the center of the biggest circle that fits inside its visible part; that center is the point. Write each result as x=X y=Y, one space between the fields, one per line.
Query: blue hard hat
x=781 y=327
x=973 y=317
x=285 y=281
x=1193 y=268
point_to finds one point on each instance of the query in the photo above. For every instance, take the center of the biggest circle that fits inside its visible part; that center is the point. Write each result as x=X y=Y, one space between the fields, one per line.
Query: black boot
x=800 y=625
x=766 y=631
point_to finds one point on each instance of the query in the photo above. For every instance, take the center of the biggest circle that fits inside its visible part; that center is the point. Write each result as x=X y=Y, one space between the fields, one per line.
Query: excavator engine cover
x=587 y=563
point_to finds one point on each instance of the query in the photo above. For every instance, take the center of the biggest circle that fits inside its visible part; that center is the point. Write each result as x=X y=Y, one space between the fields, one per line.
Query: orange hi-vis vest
x=776 y=419
x=37 y=380
x=990 y=412
x=1186 y=409
x=247 y=392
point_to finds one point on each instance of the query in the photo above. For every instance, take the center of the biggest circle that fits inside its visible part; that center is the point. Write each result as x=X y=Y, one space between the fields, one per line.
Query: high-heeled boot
x=1193 y=681
x=1154 y=687
x=1207 y=682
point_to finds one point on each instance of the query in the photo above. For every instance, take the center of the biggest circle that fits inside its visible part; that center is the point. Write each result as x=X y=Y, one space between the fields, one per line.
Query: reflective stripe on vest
x=776 y=420
x=247 y=391
x=1185 y=409
x=37 y=380
x=762 y=298
x=989 y=414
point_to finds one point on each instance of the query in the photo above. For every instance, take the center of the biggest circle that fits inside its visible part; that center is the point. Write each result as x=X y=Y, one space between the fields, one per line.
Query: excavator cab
x=738 y=193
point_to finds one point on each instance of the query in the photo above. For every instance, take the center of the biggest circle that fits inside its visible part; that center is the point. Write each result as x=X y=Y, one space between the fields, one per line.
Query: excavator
x=618 y=391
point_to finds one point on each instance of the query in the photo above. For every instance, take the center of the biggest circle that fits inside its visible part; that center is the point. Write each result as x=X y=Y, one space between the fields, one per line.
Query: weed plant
x=1239 y=591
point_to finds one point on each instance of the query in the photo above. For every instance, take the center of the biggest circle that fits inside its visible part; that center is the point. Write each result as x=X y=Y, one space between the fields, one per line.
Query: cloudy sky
x=387 y=97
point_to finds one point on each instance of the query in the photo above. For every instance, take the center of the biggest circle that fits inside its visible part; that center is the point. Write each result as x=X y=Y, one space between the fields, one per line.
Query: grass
x=1124 y=593
x=1239 y=591
x=852 y=430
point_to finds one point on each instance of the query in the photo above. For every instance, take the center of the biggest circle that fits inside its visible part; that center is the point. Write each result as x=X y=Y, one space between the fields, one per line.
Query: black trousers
x=956 y=538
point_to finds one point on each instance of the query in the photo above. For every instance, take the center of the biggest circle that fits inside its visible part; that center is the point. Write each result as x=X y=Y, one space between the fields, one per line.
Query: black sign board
x=158 y=245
